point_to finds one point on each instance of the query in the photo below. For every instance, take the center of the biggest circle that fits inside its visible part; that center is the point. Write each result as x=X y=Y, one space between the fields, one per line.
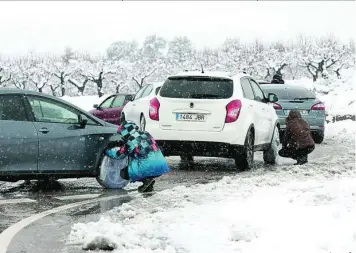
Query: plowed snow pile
x=309 y=209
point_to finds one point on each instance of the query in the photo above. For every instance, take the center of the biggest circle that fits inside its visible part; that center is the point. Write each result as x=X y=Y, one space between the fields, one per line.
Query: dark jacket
x=297 y=134
x=277 y=78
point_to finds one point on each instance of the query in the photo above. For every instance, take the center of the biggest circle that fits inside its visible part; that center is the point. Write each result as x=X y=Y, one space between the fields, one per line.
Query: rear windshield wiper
x=204 y=96
x=306 y=98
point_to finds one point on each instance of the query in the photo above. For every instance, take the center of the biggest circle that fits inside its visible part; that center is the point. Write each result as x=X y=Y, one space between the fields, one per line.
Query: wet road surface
x=49 y=233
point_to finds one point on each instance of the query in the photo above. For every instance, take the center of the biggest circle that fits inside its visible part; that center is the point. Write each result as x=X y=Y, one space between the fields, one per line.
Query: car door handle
x=44 y=130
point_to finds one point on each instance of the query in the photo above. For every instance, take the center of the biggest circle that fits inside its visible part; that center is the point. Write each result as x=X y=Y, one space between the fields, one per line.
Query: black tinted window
x=289 y=93
x=246 y=87
x=197 y=87
x=12 y=108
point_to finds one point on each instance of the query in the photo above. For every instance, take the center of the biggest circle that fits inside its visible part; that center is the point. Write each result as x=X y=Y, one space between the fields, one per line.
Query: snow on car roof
x=218 y=74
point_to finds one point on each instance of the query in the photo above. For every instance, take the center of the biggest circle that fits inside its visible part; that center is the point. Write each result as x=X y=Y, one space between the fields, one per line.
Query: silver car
x=45 y=137
x=294 y=97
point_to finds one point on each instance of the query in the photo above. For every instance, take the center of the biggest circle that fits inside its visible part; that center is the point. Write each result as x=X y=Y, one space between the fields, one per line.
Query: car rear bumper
x=232 y=134
x=200 y=148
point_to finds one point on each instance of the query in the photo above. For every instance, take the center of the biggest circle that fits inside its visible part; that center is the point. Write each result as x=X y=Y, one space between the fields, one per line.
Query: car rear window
x=197 y=88
x=289 y=93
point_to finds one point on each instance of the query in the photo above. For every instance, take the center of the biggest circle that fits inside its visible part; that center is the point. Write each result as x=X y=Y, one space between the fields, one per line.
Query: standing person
x=298 y=142
x=277 y=78
x=146 y=160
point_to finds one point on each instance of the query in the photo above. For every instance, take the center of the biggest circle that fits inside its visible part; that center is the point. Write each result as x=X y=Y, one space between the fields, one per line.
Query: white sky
x=46 y=26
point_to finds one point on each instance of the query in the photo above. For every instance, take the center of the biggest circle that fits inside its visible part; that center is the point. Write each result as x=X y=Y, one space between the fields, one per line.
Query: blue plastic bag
x=110 y=173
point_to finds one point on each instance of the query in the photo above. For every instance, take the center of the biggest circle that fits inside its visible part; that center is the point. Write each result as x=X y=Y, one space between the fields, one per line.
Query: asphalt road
x=19 y=201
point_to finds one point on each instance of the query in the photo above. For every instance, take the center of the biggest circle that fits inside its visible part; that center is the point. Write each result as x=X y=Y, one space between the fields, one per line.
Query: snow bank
x=342 y=131
x=307 y=208
x=85 y=102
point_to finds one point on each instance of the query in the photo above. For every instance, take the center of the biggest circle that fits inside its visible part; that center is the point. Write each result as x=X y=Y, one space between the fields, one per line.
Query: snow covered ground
x=309 y=209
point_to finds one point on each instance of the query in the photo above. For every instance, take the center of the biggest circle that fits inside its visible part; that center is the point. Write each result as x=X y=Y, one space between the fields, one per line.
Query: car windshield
x=197 y=87
x=289 y=93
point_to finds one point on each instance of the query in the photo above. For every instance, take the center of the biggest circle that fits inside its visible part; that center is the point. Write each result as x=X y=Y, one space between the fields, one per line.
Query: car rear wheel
x=142 y=123
x=271 y=154
x=318 y=138
x=186 y=158
x=244 y=161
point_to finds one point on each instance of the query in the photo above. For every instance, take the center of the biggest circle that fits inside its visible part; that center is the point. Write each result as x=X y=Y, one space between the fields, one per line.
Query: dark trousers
x=301 y=155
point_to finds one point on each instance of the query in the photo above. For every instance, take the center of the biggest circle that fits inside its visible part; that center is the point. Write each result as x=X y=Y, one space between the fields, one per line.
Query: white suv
x=214 y=114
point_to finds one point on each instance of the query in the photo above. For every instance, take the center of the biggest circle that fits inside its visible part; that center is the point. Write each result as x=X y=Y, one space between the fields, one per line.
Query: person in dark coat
x=277 y=78
x=146 y=160
x=297 y=142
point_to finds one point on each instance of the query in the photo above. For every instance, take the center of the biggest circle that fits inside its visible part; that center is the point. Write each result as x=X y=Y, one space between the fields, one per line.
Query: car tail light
x=277 y=106
x=154 y=109
x=318 y=107
x=233 y=111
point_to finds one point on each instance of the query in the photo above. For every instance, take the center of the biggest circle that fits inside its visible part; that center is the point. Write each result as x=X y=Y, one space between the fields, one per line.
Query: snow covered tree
x=325 y=53
x=122 y=50
x=181 y=54
x=5 y=77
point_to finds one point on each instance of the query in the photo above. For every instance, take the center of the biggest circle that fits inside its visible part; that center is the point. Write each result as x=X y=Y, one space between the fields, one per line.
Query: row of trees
x=128 y=65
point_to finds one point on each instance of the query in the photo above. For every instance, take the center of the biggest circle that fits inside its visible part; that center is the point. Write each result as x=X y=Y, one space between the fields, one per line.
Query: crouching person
x=297 y=142
x=146 y=160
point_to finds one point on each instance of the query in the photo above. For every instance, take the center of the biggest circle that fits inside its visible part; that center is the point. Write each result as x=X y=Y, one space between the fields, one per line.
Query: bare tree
x=4 y=78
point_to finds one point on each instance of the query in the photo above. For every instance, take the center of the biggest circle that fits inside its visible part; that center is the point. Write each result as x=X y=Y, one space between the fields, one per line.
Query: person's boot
x=147 y=185
x=301 y=160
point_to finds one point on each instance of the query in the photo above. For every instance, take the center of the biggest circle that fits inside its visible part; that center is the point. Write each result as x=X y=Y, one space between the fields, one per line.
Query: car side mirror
x=82 y=120
x=272 y=97
x=96 y=106
x=129 y=98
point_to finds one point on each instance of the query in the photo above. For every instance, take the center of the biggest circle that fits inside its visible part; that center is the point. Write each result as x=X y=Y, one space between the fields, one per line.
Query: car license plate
x=190 y=117
x=302 y=112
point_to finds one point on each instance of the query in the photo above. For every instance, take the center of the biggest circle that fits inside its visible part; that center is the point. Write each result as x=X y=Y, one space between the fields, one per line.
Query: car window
x=246 y=88
x=139 y=93
x=290 y=93
x=147 y=91
x=119 y=101
x=46 y=110
x=157 y=90
x=259 y=95
x=197 y=87
x=12 y=108
x=107 y=103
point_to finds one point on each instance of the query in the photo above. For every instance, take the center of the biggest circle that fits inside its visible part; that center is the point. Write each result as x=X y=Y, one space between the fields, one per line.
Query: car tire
x=142 y=123
x=122 y=118
x=270 y=155
x=186 y=158
x=318 y=138
x=244 y=161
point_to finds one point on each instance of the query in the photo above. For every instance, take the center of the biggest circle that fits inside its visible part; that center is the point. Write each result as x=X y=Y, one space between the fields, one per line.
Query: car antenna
x=202 y=69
